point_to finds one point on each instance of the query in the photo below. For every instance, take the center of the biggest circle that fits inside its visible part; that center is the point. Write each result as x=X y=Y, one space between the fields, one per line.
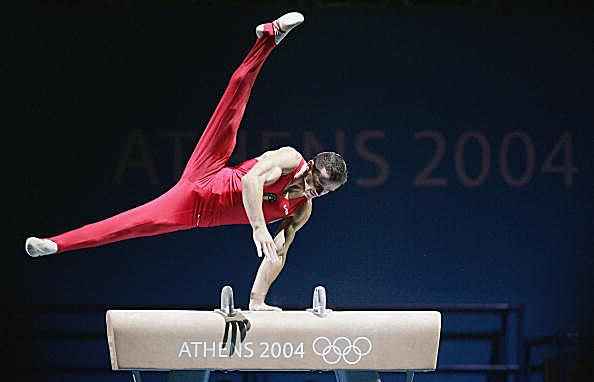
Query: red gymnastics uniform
x=208 y=193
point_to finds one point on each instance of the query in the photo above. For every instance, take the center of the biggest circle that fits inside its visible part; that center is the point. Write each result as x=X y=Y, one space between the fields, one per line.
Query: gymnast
x=278 y=184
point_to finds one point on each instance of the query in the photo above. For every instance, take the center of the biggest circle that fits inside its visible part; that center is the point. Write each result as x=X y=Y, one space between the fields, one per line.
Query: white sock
x=36 y=247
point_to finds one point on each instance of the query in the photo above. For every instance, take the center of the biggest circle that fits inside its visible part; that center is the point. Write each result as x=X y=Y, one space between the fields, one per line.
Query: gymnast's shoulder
x=285 y=157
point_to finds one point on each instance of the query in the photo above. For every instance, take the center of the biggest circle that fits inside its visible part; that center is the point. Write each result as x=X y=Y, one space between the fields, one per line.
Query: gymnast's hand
x=265 y=244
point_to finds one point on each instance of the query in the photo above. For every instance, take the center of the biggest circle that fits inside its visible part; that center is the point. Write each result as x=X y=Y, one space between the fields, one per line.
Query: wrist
x=258 y=227
x=257 y=297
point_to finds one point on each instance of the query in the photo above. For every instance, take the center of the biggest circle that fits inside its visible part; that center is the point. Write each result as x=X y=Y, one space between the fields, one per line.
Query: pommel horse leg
x=357 y=376
x=364 y=376
x=189 y=376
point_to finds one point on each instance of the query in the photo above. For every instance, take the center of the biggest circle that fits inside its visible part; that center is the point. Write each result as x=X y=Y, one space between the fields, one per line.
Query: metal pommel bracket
x=319 y=302
x=227 y=302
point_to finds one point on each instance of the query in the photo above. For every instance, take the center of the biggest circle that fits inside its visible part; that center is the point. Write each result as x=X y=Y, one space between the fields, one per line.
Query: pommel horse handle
x=319 y=302
x=227 y=304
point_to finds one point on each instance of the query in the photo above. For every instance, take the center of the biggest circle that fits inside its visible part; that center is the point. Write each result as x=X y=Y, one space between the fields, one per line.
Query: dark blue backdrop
x=468 y=138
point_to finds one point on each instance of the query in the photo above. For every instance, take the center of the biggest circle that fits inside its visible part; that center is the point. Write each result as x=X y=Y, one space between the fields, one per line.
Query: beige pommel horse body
x=356 y=345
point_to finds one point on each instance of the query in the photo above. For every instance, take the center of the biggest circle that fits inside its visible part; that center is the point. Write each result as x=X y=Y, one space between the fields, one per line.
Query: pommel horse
x=356 y=345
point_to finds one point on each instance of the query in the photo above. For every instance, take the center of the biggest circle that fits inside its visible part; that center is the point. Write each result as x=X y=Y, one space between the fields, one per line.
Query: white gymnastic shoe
x=282 y=26
x=40 y=247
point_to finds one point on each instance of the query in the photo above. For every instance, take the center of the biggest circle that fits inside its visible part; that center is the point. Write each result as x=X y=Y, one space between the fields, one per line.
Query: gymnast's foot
x=40 y=247
x=282 y=26
x=260 y=306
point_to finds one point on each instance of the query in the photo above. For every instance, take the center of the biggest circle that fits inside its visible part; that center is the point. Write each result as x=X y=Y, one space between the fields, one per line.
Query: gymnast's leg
x=218 y=139
x=169 y=212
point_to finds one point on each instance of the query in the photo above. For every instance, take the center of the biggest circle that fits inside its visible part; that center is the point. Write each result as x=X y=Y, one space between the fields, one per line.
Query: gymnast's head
x=326 y=172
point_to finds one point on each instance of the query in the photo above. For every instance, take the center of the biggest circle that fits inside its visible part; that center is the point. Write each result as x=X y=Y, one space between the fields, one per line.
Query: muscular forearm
x=253 y=189
x=268 y=272
x=283 y=239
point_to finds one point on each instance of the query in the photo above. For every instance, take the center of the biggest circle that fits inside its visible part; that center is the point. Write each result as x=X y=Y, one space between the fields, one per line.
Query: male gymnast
x=279 y=184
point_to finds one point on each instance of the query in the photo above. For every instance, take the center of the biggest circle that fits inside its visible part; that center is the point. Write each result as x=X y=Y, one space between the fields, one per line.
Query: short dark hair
x=334 y=164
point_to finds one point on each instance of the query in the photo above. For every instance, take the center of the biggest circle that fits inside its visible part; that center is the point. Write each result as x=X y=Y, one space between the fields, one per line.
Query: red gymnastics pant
x=174 y=210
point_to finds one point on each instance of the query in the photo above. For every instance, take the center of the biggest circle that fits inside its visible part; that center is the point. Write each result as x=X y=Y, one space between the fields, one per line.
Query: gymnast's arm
x=268 y=272
x=286 y=232
x=271 y=165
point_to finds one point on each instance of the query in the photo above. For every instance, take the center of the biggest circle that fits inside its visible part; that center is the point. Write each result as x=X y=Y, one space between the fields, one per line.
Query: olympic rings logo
x=342 y=348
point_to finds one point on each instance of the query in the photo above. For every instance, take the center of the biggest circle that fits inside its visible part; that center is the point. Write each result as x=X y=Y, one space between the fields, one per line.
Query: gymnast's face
x=317 y=182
